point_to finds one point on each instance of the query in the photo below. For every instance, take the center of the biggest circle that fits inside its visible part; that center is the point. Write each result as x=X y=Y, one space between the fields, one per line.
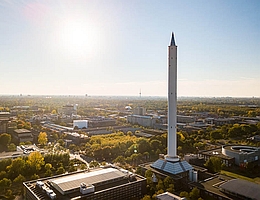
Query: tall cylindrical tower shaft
x=172 y=101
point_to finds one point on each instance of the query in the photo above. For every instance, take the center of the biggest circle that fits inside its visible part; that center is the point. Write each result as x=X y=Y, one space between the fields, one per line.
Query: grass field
x=234 y=175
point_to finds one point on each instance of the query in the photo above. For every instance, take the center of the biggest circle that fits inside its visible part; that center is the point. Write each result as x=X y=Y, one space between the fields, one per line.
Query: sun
x=78 y=37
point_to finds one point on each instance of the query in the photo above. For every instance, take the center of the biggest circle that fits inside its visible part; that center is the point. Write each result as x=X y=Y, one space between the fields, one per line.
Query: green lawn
x=231 y=174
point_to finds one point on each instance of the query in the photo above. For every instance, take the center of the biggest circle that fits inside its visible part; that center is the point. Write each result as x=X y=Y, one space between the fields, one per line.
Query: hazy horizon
x=124 y=96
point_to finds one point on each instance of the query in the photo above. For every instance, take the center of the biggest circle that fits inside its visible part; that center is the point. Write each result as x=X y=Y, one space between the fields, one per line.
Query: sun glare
x=78 y=38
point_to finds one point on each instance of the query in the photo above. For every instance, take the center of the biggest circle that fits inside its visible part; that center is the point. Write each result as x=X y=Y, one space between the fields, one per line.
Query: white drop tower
x=171 y=163
x=172 y=102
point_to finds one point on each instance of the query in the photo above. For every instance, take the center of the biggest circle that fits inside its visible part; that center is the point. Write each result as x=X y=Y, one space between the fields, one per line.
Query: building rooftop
x=242 y=188
x=211 y=185
x=98 y=180
x=168 y=196
x=71 y=182
x=241 y=148
x=217 y=152
x=21 y=131
x=172 y=167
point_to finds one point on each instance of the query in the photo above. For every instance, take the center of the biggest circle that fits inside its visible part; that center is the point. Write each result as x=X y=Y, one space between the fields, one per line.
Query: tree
x=155 y=144
x=120 y=159
x=194 y=194
x=5 y=139
x=5 y=183
x=143 y=145
x=146 y=155
x=214 y=164
x=93 y=163
x=168 y=182
x=9 y=194
x=170 y=188
x=11 y=147
x=3 y=174
x=160 y=185
x=147 y=197
x=19 y=179
x=16 y=168
x=48 y=166
x=42 y=138
x=60 y=170
x=185 y=194
x=61 y=142
x=36 y=161
x=35 y=176
x=235 y=131
x=215 y=135
x=83 y=166
x=48 y=173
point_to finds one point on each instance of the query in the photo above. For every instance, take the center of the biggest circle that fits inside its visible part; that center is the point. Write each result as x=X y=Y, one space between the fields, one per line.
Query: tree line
x=13 y=172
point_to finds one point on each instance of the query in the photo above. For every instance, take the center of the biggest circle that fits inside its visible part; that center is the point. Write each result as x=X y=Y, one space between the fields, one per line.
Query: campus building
x=4 y=119
x=22 y=135
x=142 y=120
x=103 y=183
x=242 y=154
x=233 y=154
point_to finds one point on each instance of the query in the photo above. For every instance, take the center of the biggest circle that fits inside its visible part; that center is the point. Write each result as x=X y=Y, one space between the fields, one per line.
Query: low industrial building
x=103 y=183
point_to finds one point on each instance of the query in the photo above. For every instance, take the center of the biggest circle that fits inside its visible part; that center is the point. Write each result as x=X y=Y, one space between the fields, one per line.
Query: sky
x=119 y=47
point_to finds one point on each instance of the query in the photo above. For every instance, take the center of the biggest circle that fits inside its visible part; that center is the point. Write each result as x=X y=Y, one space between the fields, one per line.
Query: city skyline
x=120 y=48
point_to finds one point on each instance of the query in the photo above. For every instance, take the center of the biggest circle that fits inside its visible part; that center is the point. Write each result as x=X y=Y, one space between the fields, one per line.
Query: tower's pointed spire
x=172 y=40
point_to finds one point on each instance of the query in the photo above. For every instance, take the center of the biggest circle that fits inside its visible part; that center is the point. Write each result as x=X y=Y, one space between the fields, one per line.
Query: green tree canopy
x=194 y=194
x=5 y=139
x=214 y=164
x=16 y=168
x=19 y=179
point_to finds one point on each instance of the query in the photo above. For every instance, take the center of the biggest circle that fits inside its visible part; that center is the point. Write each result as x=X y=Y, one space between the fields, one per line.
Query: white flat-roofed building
x=70 y=183
x=97 y=184
x=80 y=124
x=168 y=196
